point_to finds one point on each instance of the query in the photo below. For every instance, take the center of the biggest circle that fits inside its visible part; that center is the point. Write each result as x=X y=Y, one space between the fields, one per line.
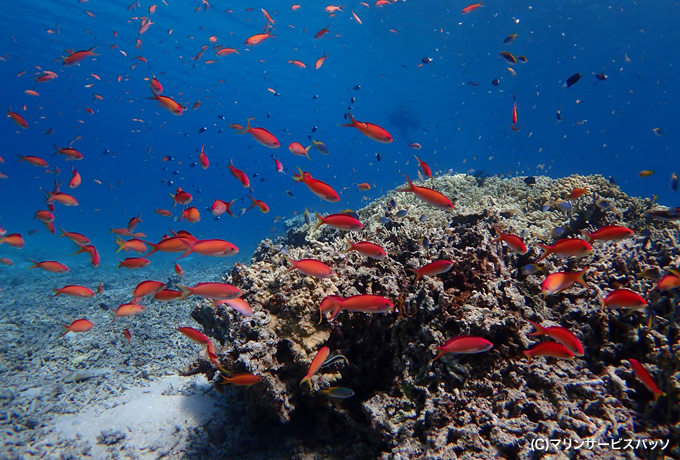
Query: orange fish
x=226 y=51
x=258 y=38
x=240 y=175
x=211 y=247
x=298 y=149
x=168 y=103
x=148 y=288
x=44 y=216
x=75 y=237
x=191 y=214
x=133 y=263
x=50 y=266
x=167 y=294
x=261 y=205
x=322 y=32
x=241 y=379
x=341 y=221
x=428 y=195
x=74 y=291
x=299 y=64
x=262 y=136
x=218 y=291
x=18 y=119
x=75 y=180
x=78 y=56
x=171 y=244
x=91 y=251
x=577 y=193
x=642 y=374
x=319 y=62
x=62 y=198
x=624 y=298
x=310 y=267
x=181 y=197
x=178 y=270
x=364 y=186
x=316 y=364
x=163 y=212
x=237 y=304
x=35 y=161
x=70 y=153
x=559 y=281
x=219 y=207
x=317 y=187
x=127 y=309
x=369 y=130
x=609 y=233
x=79 y=325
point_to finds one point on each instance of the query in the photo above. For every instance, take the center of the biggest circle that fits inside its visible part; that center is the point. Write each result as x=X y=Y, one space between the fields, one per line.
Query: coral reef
x=484 y=405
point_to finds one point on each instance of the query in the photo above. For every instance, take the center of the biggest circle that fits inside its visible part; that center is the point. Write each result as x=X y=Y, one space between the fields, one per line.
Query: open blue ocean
x=421 y=70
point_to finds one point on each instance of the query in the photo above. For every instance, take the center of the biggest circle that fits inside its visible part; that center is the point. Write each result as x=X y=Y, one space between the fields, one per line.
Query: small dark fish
x=601 y=76
x=425 y=242
x=573 y=79
x=308 y=218
x=353 y=100
x=357 y=87
x=530 y=269
x=611 y=180
x=202 y=130
x=653 y=273
x=221 y=117
x=402 y=213
x=558 y=232
x=668 y=214
x=426 y=60
x=392 y=203
x=473 y=83
x=559 y=116
x=522 y=59
x=657 y=132
x=383 y=220
x=674 y=182
x=220 y=131
x=531 y=180
x=512 y=59
x=563 y=205
x=289 y=193
x=377 y=156
x=175 y=172
x=32 y=232
x=423 y=218
x=603 y=204
x=509 y=39
x=314 y=128
x=495 y=82
x=170 y=183
x=316 y=96
x=546 y=207
x=277 y=94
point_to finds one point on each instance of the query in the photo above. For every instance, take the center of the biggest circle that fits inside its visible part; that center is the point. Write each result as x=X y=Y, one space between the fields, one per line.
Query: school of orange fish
x=564 y=345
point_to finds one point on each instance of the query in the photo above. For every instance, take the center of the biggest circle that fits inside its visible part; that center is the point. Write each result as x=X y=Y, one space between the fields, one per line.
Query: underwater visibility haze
x=461 y=157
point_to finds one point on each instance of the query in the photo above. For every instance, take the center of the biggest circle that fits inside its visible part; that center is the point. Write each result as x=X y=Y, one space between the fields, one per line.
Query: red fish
x=127 y=309
x=79 y=325
x=191 y=214
x=75 y=180
x=642 y=374
x=261 y=205
x=78 y=56
x=471 y=8
x=127 y=335
x=339 y=221
x=369 y=130
x=668 y=282
x=432 y=269
x=426 y=169
x=70 y=153
x=366 y=248
x=181 y=197
x=203 y=159
x=178 y=270
x=35 y=161
x=514 y=242
x=259 y=38
x=317 y=187
x=568 y=247
x=90 y=250
x=211 y=247
x=237 y=304
x=549 y=349
x=148 y=288
x=464 y=344
x=319 y=62
x=18 y=119
x=428 y=195
x=262 y=136
x=316 y=364
x=562 y=335
x=134 y=262
x=13 y=239
x=156 y=86
x=514 y=114
x=310 y=267
x=357 y=303
x=240 y=175
x=624 y=298
x=609 y=233
x=298 y=149
x=322 y=32
x=219 y=207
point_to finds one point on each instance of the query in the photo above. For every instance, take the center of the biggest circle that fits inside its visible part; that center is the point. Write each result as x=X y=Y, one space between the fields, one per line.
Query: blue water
x=606 y=128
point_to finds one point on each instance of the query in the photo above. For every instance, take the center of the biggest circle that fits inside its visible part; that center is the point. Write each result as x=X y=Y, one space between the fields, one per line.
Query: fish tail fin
x=527 y=353
x=186 y=292
x=336 y=312
x=56 y=292
x=410 y=187
x=307 y=152
x=349 y=125
x=121 y=244
x=293 y=265
x=547 y=249
x=540 y=330
x=418 y=275
x=350 y=245
x=254 y=203
x=439 y=355
x=581 y=278
x=298 y=177
x=319 y=219
x=589 y=236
